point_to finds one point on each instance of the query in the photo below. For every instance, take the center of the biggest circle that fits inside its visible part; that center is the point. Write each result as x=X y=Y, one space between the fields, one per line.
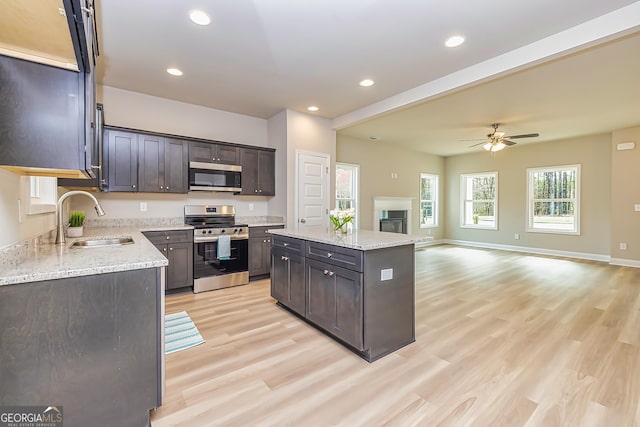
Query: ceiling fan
x=496 y=141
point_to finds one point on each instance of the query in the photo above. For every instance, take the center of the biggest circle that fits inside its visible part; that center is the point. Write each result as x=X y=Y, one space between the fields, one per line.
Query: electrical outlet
x=386 y=274
x=516 y=236
x=636 y=208
x=623 y=246
x=143 y=206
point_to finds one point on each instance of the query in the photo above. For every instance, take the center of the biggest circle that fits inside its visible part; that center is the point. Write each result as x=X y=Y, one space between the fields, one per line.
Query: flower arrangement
x=340 y=218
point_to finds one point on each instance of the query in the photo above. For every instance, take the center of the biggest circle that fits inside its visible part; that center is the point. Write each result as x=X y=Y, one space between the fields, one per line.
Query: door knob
x=302 y=220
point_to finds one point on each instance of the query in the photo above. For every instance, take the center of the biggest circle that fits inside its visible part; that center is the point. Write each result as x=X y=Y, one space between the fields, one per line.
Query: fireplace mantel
x=389 y=203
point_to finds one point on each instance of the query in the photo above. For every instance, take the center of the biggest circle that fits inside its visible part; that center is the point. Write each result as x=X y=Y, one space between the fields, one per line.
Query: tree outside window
x=347 y=188
x=479 y=200
x=553 y=202
x=428 y=200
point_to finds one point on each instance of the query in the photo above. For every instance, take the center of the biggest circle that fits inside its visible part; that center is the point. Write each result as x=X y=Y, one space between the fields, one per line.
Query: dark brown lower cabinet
x=90 y=344
x=335 y=301
x=177 y=247
x=260 y=251
x=287 y=280
x=363 y=298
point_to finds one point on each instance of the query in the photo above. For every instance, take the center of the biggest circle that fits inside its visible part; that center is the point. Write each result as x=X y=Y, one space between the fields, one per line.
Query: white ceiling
x=259 y=57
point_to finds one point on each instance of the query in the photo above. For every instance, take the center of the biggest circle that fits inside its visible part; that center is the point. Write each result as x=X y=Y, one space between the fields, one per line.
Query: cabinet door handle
x=285 y=258
x=168 y=237
x=329 y=254
x=331 y=273
x=255 y=191
x=285 y=244
x=170 y=249
x=260 y=191
x=161 y=187
x=133 y=186
x=167 y=188
x=326 y=272
x=164 y=249
x=218 y=159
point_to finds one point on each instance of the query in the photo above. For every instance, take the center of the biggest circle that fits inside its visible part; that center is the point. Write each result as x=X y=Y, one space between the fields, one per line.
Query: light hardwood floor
x=502 y=339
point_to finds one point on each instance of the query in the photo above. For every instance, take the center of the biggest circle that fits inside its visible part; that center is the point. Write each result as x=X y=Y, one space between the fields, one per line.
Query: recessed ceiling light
x=199 y=17
x=174 y=71
x=366 y=82
x=313 y=108
x=454 y=41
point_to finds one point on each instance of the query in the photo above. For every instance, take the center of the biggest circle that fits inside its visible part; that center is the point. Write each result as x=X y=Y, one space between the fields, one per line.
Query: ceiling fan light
x=488 y=146
x=498 y=146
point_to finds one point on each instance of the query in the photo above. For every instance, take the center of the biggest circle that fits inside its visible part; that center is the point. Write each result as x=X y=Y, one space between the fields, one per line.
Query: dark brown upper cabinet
x=214 y=153
x=258 y=172
x=162 y=164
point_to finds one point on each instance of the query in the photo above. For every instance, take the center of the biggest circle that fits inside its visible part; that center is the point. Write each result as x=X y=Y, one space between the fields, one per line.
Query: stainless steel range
x=220 y=247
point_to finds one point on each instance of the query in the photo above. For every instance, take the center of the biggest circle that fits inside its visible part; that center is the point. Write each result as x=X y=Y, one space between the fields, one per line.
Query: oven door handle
x=215 y=239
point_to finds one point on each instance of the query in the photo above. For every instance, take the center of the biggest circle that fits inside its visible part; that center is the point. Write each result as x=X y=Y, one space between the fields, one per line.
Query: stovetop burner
x=211 y=221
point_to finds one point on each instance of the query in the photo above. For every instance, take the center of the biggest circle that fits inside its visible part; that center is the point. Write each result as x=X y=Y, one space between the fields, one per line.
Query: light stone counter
x=363 y=240
x=261 y=221
x=42 y=260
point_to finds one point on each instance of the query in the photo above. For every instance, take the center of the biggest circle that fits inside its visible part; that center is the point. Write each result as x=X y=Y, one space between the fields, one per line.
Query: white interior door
x=312 y=189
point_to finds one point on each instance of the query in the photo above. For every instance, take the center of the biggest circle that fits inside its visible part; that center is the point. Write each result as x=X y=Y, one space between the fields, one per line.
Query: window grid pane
x=479 y=204
x=428 y=200
x=553 y=199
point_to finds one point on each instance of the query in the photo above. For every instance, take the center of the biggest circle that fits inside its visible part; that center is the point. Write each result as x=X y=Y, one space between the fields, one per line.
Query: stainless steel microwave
x=214 y=177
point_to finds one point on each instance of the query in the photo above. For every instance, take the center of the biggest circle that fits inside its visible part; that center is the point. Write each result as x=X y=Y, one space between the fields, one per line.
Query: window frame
x=463 y=201
x=356 y=189
x=39 y=193
x=434 y=199
x=576 y=201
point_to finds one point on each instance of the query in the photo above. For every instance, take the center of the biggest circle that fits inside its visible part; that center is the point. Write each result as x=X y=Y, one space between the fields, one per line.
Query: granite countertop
x=43 y=260
x=265 y=224
x=363 y=240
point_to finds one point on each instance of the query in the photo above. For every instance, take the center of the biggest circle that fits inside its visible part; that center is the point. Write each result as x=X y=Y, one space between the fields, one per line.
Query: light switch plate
x=636 y=208
x=143 y=206
x=386 y=274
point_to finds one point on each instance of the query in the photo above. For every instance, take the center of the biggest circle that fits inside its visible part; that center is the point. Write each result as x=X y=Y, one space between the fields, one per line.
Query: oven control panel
x=212 y=234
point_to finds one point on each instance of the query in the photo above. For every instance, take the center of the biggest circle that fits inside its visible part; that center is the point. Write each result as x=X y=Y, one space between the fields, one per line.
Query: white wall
x=139 y=111
x=144 y=112
x=12 y=229
x=277 y=135
x=308 y=133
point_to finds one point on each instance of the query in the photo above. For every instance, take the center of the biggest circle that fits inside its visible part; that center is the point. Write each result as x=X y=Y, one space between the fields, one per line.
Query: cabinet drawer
x=335 y=255
x=176 y=236
x=288 y=243
x=262 y=231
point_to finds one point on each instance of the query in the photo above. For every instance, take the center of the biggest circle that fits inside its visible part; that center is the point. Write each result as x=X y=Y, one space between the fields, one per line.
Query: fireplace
x=393 y=221
x=392 y=214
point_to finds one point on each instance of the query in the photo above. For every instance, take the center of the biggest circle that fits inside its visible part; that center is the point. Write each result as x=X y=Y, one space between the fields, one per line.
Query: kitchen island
x=357 y=287
x=82 y=329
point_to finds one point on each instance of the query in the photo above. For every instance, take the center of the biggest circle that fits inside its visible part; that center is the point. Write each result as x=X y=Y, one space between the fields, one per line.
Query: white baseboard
x=538 y=251
x=625 y=262
x=429 y=243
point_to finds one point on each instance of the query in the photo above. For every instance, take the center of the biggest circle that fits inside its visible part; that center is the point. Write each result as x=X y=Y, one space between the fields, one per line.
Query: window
x=553 y=202
x=40 y=194
x=347 y=188
x=428 y=200
x=479 y=200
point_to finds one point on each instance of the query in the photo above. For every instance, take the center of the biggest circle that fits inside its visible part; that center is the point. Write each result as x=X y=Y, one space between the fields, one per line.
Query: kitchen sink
x=101 y=243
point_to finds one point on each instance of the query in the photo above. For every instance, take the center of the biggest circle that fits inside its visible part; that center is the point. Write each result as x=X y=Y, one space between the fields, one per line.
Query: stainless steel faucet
x=60 y=239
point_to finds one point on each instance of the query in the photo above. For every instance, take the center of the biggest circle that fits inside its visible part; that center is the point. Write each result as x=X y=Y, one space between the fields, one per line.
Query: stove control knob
x=235 y=230
x=209 y=231
x=223 y=230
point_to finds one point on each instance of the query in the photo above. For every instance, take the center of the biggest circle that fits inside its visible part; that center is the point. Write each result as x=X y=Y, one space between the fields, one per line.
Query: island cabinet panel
x=334 y=301
x=91 y=344
x=364 y=298
x=287 y=281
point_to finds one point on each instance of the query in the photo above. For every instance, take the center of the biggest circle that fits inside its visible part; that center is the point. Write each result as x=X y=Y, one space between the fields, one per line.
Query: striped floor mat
x=180 y=333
